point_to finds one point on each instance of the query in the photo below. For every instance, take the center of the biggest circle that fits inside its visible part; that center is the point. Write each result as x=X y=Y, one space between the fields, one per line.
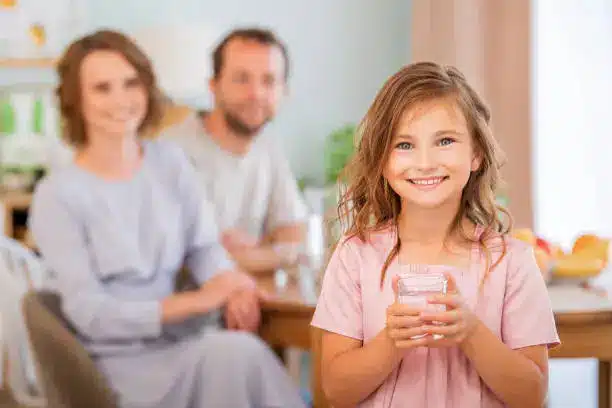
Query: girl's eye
x=447 y=141
x=102 y=87
x=133 y=83
x=404 y=146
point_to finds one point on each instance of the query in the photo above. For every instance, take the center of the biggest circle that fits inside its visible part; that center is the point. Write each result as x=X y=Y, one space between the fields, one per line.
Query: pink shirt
x=513 y=303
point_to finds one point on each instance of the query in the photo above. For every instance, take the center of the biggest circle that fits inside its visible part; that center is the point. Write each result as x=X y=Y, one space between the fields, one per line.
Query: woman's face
x=113 y=98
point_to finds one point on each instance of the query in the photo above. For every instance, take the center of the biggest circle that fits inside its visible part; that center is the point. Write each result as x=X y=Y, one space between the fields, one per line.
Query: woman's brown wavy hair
x=368 y=204
x=69 y=89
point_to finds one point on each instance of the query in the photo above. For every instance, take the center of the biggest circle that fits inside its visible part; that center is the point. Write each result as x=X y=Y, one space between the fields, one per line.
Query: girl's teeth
x=427 y=182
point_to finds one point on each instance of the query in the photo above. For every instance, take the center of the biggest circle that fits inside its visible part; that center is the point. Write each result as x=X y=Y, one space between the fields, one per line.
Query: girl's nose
x=425 y=159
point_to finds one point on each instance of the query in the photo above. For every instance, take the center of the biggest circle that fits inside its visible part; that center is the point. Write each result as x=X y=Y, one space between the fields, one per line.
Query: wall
x=342 y=51
x=489 y=41
x=573 y=51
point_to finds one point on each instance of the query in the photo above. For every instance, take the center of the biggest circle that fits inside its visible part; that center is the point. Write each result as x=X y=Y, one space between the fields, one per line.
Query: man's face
x=250 y=85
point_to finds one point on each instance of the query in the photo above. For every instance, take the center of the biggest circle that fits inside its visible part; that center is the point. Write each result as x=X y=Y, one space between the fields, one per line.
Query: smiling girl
x=421 y=197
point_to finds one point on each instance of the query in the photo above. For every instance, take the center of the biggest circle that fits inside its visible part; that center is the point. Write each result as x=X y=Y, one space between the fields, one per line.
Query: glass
x=303 y=262
x=414 y=288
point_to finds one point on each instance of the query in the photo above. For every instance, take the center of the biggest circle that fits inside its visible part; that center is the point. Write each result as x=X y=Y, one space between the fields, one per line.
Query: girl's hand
x=404 y=323
x=455 y=325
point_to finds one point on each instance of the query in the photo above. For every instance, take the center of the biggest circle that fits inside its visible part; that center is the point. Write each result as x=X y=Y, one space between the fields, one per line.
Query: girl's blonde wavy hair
x=368 y=204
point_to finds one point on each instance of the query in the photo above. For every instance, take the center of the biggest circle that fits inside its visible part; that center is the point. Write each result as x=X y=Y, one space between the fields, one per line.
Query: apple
x=545 y=245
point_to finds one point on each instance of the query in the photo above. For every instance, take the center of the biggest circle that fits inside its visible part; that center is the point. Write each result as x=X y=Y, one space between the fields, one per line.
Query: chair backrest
x=20 y=271
x=67 y=373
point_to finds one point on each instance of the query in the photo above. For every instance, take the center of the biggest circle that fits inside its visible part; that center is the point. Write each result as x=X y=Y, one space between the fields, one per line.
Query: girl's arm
x=518 y=377
x=515 y=366
x=520 y=356
x=352 y=371
x=351 y=368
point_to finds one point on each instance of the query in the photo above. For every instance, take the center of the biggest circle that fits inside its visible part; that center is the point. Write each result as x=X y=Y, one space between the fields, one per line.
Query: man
x=248 y=180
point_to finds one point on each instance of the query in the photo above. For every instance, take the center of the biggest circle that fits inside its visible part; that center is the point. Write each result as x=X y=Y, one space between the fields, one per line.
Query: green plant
x=339 y=147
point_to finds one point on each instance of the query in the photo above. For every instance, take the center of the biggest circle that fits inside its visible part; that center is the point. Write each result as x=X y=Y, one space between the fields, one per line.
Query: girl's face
x=114 y=100
x=432 y=155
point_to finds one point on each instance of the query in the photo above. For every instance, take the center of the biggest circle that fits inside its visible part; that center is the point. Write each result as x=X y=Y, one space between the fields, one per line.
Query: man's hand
x=266 y=255
x=234 y=240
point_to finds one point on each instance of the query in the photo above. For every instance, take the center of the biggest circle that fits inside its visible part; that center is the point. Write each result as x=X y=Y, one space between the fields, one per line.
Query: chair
x=20 y=271
x=66 y=372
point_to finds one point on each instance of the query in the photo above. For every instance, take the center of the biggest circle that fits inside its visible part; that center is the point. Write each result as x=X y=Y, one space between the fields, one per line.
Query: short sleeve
x=205 y=256
x=286 y=202
x=527 y=318
x=339 y=308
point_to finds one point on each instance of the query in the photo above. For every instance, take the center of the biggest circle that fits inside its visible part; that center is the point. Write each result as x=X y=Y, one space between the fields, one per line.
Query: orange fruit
x=599 y=250
x=585 y=241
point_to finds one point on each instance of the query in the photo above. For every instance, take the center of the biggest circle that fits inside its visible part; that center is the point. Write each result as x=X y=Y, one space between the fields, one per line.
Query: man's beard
x=240 y=128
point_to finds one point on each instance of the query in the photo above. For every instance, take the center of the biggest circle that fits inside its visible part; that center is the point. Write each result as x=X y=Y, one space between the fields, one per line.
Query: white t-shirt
x=256 y=192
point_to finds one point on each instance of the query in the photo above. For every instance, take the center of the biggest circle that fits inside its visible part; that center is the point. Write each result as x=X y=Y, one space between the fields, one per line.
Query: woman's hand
x=213 y=294
x=452 y=327
x=230 y=282
x=220 y=288
x=243 y=311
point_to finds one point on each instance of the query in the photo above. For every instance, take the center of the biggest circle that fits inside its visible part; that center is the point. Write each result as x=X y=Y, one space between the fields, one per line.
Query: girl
x=116 y=225
x=421 y=198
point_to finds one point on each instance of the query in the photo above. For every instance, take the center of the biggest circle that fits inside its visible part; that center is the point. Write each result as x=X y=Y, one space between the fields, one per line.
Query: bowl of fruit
x=588 y=256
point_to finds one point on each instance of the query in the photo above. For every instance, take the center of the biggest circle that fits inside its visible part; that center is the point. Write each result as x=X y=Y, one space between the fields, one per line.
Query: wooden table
x=286 y=318
x=584 y=322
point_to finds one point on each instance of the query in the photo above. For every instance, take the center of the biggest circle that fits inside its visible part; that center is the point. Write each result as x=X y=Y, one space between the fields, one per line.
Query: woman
x=117 y=224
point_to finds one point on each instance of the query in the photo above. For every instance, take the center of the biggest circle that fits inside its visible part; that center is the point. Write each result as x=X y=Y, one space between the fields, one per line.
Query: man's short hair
x=260 y=35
